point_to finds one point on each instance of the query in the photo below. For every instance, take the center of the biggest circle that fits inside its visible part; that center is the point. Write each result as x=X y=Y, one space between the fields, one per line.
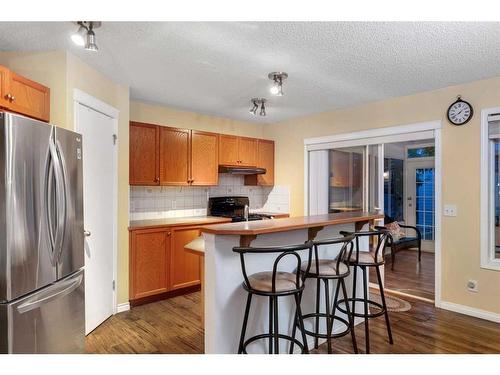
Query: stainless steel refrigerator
x=42 y=305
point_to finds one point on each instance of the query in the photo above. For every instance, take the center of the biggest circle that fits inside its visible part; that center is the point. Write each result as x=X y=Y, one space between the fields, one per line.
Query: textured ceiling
x=217 y=67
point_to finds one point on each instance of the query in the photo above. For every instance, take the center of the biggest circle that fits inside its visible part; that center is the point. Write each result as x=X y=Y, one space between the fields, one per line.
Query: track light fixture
x=262 y=107
x=256 y=102
x=277 y=78
x=255 y=107
x=85 y=36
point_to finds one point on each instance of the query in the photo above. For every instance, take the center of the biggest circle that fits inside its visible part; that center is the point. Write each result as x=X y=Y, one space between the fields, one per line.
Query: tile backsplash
x=155 y=202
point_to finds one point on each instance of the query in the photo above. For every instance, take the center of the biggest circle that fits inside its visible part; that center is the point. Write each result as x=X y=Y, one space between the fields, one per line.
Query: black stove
x=232 y=207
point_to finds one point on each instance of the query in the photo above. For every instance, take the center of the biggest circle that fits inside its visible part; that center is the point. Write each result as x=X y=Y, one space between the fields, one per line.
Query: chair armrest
x=419 y=234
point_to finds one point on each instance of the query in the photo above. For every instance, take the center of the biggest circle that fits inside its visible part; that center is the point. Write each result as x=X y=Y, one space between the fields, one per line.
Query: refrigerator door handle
x=67 y=287
x=48 y=206
x=64 y=199
x=60 y=200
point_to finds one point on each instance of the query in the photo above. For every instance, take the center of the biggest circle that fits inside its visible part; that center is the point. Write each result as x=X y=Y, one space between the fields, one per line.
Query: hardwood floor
x=169 y=326
x=409 y=276
x=173 y=326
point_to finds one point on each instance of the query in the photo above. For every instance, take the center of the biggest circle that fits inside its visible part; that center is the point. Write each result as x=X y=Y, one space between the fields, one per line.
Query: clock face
x=460 y=112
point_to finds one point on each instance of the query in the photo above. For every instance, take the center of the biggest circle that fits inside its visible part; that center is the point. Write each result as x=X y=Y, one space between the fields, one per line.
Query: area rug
x=394 y=304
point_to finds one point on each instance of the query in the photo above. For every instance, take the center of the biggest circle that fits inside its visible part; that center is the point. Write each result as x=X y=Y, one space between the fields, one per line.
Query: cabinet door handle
x=169 y=233
x=8 y=97
x=157 y=179
x=12 y=98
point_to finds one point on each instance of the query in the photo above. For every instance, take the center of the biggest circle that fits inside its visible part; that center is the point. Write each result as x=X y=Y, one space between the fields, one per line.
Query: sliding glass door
x=355 y=178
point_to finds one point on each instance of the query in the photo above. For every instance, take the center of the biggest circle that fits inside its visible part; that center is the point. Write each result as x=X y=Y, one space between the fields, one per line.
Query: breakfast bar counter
x=224 y=295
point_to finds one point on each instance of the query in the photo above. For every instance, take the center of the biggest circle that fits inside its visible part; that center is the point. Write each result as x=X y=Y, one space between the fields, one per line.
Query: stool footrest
x=359 y=314
x=271 y=335
x=324 y=335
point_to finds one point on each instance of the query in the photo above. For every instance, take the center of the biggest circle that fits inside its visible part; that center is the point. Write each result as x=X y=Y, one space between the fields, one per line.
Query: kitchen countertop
x=177 y=221
x=287 y=224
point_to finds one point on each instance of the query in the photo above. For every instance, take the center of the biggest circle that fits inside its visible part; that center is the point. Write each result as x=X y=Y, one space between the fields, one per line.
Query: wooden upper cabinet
x=24 y=96
x=339 y=168
x=29 y=98
x=228 y=150
x=204 y=158
x=247 y=151
x=235 y=150
x=144 y=154
x=149 y=262
x=357 y=169
x=184 y=266
x=174 y=156
x=265 y=159
x=4 y=86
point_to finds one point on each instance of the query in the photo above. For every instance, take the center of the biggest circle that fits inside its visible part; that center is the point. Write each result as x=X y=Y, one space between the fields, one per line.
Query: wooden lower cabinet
x=160 y=267
x=184 y=266
x=149 y=262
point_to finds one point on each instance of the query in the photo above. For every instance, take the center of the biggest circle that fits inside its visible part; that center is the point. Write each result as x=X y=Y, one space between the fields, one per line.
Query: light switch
x=450 y=210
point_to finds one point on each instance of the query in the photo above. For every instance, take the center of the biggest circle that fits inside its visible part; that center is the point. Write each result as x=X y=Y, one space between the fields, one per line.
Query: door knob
x=86 y=233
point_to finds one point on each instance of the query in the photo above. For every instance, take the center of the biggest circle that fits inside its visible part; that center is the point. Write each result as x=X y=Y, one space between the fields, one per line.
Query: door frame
x=399 y=133
x=80 y=97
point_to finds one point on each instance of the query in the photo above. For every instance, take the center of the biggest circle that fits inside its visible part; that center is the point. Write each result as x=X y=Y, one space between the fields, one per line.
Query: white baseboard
x=471 y=311
x=121 y=307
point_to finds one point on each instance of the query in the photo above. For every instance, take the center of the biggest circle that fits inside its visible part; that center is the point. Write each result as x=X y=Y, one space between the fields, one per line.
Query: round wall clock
x=460 y=112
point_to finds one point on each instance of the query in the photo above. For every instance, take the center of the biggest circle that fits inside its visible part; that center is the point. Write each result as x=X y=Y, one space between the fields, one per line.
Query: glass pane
x=373 y=174
x=345 y=189
x=425 y=202
x=394 y=188
x=421 y=152
x=496 y=189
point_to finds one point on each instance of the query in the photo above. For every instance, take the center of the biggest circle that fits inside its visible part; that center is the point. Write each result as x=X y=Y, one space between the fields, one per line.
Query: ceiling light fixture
x=262 y=107
x=277 y=78
x=79 y=37
x=85 y=36
x=256 y=102
x=255 y=107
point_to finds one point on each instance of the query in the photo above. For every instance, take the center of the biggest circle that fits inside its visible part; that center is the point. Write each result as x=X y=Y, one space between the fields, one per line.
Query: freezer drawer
x=51 y=320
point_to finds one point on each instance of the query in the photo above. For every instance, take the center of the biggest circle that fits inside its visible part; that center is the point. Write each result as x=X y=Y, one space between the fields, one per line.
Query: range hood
x=240 y=170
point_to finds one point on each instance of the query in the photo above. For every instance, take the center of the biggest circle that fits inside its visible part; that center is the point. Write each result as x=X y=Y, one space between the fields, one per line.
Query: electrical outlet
x=173 y=205
x=472 y=286
x=450 y=210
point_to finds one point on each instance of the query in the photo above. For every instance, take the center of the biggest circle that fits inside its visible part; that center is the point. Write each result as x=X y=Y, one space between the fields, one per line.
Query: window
x=421 y=152
x=424 y=201
x=495 y=202
x=490 y=191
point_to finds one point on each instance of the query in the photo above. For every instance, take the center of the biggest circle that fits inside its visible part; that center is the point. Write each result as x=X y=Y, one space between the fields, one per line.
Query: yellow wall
x=460 y=173
x=63 y=72
x=161 y=115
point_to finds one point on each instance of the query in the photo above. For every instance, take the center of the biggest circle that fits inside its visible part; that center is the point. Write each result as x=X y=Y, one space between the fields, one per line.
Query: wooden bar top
x=254 y=228
x=177 y=222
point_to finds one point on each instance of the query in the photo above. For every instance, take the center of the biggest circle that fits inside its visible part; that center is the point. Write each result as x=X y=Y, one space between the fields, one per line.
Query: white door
x=99 y=168
x=420 y=191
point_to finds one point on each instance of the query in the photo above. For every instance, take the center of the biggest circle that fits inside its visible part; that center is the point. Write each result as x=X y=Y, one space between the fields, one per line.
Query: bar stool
x=274 y=284
x=324 y=270
x=364 y=259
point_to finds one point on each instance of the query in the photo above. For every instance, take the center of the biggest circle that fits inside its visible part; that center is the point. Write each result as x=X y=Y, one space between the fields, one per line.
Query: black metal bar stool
x=364 y=259
x=274 y=284
x=324 y=270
